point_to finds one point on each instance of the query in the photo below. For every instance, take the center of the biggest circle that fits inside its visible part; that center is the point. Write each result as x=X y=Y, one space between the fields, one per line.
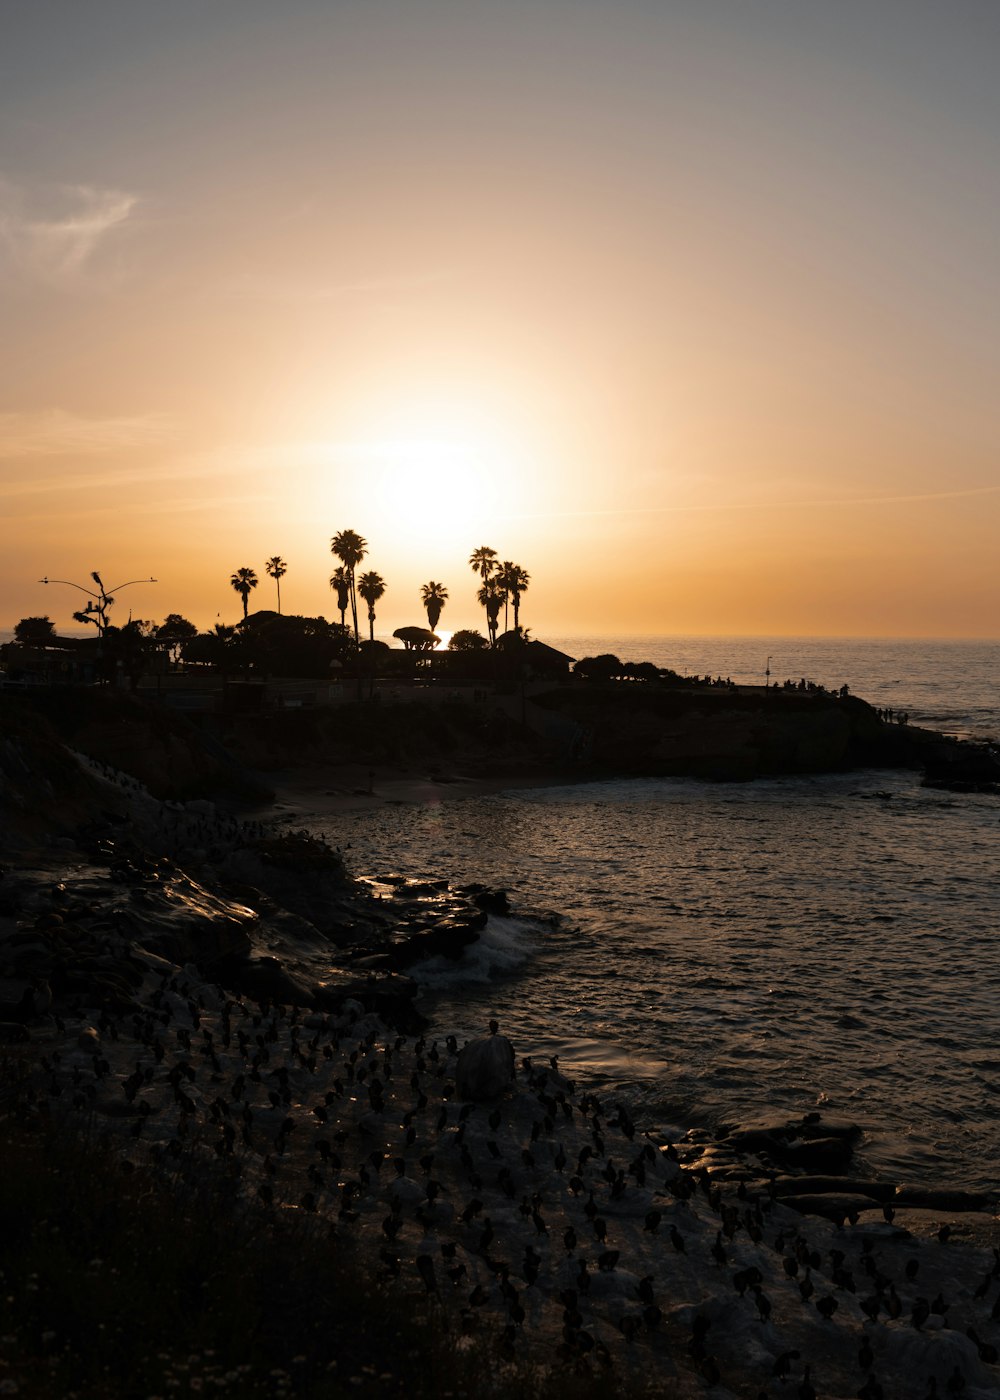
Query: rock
x=926 y=1199
x=831 y=1154
x=832 y=1205
x=492 y=901
x=822 y=1185
x=485 y=1068
x=266 y=979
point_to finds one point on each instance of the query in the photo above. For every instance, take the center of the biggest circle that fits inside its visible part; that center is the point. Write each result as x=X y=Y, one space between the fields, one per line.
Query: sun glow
x=441 y=487
x=430 y=470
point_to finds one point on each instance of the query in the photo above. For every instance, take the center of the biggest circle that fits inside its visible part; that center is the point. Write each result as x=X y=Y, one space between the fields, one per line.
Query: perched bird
x=783 y=1364
x=920 y=1312
x=425 y=1268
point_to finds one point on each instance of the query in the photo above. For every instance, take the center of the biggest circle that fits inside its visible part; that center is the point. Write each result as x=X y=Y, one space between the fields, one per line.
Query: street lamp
x=96 y=610
x=767 y=674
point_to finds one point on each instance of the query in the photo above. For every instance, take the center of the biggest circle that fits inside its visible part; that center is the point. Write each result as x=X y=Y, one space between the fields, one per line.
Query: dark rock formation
x=485 y=1069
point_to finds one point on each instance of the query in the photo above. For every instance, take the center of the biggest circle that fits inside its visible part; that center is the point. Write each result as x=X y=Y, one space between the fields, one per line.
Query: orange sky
x=688 y=309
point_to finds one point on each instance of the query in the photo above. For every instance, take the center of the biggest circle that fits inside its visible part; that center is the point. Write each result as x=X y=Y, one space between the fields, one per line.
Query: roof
x=541 y=651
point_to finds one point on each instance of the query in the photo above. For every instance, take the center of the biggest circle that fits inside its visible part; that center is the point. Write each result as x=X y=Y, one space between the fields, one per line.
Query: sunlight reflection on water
x=724 y=950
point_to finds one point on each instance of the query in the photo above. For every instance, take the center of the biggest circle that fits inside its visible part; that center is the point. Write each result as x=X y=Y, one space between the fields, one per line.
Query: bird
x=425 y=1268
x=783 y=1364
x=987 y=1351
x=920 y=1312
x=827 y=1306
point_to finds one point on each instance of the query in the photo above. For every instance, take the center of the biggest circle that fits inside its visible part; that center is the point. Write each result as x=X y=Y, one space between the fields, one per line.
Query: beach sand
x=320 y=792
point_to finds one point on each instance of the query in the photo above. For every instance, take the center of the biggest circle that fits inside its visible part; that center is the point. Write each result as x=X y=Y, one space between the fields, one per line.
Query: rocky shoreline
x=159 y=964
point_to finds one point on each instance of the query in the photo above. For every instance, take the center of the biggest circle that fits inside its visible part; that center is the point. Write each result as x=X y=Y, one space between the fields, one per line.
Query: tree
x=491 y=597
x=467 y=639
x=371 y=586
x=277 y=569
x=514 y=581
x=127 y=649
x=173 y=632
x=277 y=644
x=434 y=595
x=483 y=561
x=416 y=638
x=34 y=631
x=341 y=585
x=242 y=581
x=350 y=549
x=598 y=668
x=96 y=611
x=213 y=648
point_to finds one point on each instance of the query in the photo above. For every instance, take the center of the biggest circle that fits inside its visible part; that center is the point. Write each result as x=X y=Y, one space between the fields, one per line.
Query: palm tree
x=341 y=585
x=491 y=597
x=434 y=596
x=371 y=586
x=350 y=547
x=243 y=580
x=483 y=561
x=277 y=569
x=515 y=582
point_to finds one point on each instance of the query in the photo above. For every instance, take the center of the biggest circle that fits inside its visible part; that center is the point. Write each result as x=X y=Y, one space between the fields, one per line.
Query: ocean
x=713 y=954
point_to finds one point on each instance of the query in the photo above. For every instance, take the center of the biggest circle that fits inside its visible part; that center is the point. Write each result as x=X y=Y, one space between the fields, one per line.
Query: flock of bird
x=544 y=1219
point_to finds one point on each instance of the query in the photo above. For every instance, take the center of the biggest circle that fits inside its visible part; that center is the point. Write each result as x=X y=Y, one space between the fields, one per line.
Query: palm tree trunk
x=354 y=611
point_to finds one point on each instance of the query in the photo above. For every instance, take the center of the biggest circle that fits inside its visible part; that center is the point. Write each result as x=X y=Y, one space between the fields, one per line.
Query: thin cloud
x=57 y=433
x=804 y=503
x=51 y=235
x=262 y=288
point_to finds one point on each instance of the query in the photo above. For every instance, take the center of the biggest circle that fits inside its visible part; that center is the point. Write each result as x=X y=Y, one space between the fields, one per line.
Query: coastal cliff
x=731 y=735
x=580 y=730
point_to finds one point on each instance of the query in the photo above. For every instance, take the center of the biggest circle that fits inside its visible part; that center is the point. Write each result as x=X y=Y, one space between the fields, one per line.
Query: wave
x=503 y=947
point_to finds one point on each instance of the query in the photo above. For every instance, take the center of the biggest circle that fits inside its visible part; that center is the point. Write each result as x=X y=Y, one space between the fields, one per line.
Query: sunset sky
x=689 y=307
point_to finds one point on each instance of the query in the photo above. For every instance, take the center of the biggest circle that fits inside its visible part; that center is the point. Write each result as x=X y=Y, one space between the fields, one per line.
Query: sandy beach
x=327 y=791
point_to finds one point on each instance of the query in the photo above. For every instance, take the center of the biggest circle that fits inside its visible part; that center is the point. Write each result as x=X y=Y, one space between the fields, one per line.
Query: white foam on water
x=502 y=948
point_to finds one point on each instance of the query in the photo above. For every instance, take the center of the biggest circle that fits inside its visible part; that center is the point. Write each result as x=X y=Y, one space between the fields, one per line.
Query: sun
x=443 y=487
x=432 y=467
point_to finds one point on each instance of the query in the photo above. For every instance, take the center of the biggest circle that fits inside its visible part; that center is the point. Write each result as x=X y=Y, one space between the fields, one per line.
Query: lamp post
x=767 y=674
x=96 y=610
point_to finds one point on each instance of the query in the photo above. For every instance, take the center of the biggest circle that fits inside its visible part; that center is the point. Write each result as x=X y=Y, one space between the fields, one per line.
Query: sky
x=688 y=307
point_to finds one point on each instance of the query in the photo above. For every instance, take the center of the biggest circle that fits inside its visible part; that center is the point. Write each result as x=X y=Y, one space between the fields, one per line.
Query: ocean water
x=727 y=952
